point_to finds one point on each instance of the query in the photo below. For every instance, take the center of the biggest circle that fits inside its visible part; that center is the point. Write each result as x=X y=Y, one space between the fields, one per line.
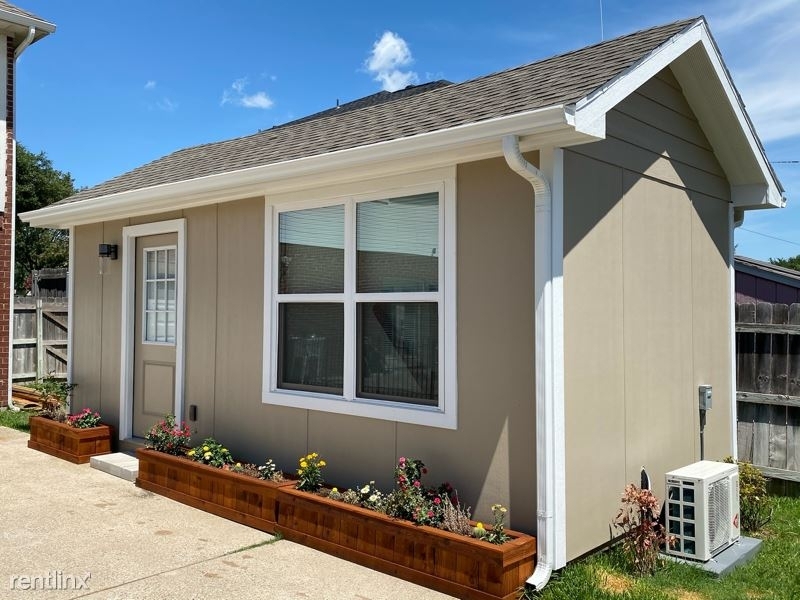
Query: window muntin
x=388 y=348
x=160 y=295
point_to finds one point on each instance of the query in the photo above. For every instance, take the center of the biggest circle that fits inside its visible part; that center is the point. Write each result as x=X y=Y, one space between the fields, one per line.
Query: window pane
x=311 y=347
x=171 y=263
x=398 y=244
x=162 y=264
x=151 y=295
x=398 y=351
x=161 y=300
x=161 y=327
x=171 y=295
x=151 y=264
x=171 y=327
x=311 y=251
x=150 y=327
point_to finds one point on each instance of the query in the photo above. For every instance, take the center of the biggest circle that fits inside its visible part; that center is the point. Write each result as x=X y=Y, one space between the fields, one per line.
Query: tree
x=792 y=262
x=38 y=185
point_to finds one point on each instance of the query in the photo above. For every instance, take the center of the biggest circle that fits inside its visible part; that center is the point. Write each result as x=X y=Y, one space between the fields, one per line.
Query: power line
x=785 y=162
x=772 y=237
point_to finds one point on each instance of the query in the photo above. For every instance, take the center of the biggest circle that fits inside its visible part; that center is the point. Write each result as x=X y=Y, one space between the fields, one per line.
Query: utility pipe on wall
x=545 y=411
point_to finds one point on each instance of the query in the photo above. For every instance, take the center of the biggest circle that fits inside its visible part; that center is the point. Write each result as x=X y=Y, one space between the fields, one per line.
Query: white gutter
x=417 y=152
x=26 y=42
x=546 y=538
x=10 y=396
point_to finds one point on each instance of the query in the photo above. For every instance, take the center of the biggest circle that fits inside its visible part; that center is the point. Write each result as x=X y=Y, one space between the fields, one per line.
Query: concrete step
x=118 y=464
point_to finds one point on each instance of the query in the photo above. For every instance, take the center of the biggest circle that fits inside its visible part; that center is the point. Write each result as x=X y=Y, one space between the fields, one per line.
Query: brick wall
x=6 y=225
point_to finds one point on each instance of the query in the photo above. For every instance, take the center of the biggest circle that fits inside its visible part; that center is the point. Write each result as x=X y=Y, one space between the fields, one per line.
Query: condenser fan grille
x=719 y=517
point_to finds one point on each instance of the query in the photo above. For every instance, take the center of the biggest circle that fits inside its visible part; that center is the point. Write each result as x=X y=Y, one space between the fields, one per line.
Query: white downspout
x=545 y=398
x=19 y=50
x=735 y=219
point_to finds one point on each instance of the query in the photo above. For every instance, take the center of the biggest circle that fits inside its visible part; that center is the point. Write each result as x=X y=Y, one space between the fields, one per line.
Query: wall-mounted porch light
x=106 y=252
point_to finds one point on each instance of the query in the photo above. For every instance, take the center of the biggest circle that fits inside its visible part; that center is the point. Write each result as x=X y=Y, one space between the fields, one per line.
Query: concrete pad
x=740 y=553
x=72 y=520
x=117 y=464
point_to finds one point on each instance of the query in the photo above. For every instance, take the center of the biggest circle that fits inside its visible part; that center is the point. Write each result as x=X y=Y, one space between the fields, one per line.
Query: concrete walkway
x=66 y=521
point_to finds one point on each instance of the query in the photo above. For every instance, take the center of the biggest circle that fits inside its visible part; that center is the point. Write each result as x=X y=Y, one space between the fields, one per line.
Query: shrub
x=369 y=496
x=169 y=437
x=456 y=518
x=55 y=395
x=211 y=453
x=755 y=506
x=270 y=471
x=310 y=473
x=84 y=419
x=642 y=534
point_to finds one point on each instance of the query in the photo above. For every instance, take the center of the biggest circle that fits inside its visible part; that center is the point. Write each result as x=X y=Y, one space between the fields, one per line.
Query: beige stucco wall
x=489 y=458
x=646 y=304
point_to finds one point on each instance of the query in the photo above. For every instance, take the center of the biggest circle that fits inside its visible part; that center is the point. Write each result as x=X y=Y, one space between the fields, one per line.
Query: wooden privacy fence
x=39 y=345
x=768 y=387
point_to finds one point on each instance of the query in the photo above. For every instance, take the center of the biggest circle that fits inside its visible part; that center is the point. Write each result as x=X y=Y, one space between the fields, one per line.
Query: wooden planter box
x=70 y=443
x=240 y=498
x=453 y=564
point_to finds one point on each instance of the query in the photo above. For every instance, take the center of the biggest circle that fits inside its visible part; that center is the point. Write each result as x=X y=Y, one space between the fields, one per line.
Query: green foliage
x=310 y=472
x=369 y=496
x=15 y=419
x=269 y=470
x=755 y=506
x=793 y=262
x=39 y=184
x=55 y=395
x=211 y=453
x=168 y=436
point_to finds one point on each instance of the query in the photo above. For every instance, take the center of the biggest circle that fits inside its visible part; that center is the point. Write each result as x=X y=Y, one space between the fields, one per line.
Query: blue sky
x=122 y=83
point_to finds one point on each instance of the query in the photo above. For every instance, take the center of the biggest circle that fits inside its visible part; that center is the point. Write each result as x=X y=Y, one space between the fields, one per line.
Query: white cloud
x=150 y=85
x=764 y=68
x=388 y=55
x=167 y=105
x=236 y=96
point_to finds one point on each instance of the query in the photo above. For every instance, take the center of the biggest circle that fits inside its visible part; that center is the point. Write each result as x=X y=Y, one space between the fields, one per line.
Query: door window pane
x=311 y=251
x=311 y=347
x=397 y=243
x=398 y=351
x=160 y=295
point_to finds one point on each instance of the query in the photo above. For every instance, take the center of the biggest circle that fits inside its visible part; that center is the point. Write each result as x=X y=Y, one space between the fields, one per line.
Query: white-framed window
x=159 y=285
x=360 y=310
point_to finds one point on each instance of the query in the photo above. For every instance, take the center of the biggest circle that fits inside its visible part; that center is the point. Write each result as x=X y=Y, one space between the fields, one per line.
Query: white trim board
x=128 y=251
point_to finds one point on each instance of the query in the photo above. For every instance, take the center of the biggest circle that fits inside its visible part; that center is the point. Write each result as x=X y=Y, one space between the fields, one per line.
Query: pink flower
x=430 y=514
x=437 y=500
x=424 y=470
x=416 y=484
x=401 y=460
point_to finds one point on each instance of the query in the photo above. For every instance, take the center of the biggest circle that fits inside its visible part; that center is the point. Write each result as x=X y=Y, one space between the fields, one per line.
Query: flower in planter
x=168 y=436
x=211 y=453
x=497 y=534
x=270 y=471
x=55 y=395
x=84 y=419
x=310 y=472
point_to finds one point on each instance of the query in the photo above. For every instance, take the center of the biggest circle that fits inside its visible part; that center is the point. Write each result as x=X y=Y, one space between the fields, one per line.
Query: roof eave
x=23 y=23
x=753 y=182
x=473 y=141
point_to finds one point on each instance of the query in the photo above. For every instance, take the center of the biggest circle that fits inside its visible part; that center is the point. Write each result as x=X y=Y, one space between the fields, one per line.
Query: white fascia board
x=589 y=112
x=26 y=22
x=464 y=143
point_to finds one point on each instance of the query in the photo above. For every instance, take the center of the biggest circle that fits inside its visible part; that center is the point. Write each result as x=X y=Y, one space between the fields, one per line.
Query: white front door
x=155 y=330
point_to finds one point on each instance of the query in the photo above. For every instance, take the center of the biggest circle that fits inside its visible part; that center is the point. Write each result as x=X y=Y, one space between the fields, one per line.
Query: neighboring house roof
x=767 y=270
x=565 y=97
x=17 y=22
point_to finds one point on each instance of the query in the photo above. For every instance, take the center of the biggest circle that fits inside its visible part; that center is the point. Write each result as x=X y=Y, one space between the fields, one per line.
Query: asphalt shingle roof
x=562 y=79
x=18 y=11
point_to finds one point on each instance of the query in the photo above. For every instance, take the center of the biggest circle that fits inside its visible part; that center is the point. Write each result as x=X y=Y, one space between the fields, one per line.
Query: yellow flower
x=207 y=455
x=322 y=463
x=205 y=448
x=479 y=525
x=303 y=464
x=224 y=450
x=334 y=490
x=299 y=471
x=313 y=455
x=238 y=465
x=190 y=453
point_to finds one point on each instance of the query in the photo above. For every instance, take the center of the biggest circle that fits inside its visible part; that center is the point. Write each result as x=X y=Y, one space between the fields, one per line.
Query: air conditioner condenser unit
x=702 y=511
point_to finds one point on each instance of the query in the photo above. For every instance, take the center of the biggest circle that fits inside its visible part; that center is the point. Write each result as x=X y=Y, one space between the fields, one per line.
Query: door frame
x=129 y=235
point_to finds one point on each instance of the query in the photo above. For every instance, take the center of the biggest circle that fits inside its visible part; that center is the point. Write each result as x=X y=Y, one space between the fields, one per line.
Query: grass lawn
x=773 y=574
x=15 y=420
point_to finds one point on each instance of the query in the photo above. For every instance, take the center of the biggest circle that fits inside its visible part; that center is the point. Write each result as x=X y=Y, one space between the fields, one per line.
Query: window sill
x=359 y=407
